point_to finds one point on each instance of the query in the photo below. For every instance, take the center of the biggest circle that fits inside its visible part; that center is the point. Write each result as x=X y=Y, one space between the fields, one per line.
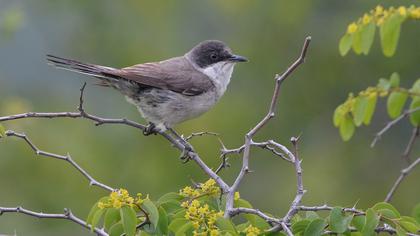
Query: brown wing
x=176 y=74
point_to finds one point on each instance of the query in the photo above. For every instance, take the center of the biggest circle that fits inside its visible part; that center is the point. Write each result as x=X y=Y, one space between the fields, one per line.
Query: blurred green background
x=270 y=33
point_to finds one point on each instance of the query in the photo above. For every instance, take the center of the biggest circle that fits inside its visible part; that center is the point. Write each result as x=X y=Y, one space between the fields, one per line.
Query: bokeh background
x=270 y=33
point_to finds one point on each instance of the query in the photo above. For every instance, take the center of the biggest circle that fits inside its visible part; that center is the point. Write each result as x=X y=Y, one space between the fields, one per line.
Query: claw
x=150 y=129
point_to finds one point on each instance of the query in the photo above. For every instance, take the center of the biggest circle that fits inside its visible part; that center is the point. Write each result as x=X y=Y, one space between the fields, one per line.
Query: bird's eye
x=213 y=56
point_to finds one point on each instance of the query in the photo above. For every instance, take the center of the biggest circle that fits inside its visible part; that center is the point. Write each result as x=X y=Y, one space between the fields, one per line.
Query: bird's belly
x=167 y=108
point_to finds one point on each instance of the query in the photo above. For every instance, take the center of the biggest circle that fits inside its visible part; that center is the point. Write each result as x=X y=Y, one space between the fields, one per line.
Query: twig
x=414 y=134
x=404 y=173
x=328 y=208
x=286 y=229
x=67 y=158
x=270 y=114
x=300 y=191
x=392 y=123
x=200 y=134
x=377 y=230
x=243 y=210
x=68 y=215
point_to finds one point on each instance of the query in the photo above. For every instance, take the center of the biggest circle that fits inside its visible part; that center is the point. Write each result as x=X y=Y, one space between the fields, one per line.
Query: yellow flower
x=415 y=13
x=366 y=19
x=101 y=205
x=252 y=231
x=352 y=28
x=214 y=232
x=237 y=196
x=379 y=10
x=117 y=204
x=402 y=10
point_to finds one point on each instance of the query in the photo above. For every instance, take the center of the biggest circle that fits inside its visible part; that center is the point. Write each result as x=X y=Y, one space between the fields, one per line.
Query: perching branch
x=404 y=173
x=67 y=158
x=414 y=134
x=270 y=114
x=67 y=215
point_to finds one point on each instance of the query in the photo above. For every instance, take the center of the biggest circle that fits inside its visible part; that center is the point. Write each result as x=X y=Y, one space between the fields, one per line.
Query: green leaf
x=347 y=128
x=300 y=226
x=339 y=222
x=116 y=230
x=416 y=213
x=311 y=215
x=163 y=221
x=96 y=218
x=359 y=222
x=129 y=220
x=409 y=226
x=394 y=80
x=395 y=104
x=389 y=33
x=357 y=41
x=384 y=84
x=370 y=109
x=153 y=212
x=367 y=34
x=400 y=231
x=2 y=131
x=112 y=216
x=177 y=223
x=338 y=116
x=315 y=228
x=171 y=196
x=171 y=206
x=185 y=229
x=371 y=221
x=225 y=224
x=359 y=109
x=244 y=203
x=416 y=87
x=345 y=44
x=94 y=209
x=415 y=116
x=387 y=210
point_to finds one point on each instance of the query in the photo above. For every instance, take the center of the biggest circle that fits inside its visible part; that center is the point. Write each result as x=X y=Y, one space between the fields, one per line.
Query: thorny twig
x=404 y=173
x=67 y=158
x=67 y=215
x=392 y=123
x=270 y=114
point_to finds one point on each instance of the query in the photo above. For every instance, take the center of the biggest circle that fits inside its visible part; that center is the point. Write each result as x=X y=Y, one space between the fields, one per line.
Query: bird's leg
x=187 y=147
x=150 y=129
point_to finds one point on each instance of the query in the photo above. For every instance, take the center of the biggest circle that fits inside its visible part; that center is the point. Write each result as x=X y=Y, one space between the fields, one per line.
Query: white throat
x=220 y=74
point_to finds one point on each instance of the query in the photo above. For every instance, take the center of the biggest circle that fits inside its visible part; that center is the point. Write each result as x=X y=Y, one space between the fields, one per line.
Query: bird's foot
x=185 y=157
x=150 y=129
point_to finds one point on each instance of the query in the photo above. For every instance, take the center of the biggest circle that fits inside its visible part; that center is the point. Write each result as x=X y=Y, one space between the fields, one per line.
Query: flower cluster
x=202 y=217
x=380 y=14
x=120 y=198
x=208 y=188
x=252 y=231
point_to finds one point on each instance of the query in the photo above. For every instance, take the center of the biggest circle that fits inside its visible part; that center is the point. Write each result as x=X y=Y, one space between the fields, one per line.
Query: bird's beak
x=237 y=58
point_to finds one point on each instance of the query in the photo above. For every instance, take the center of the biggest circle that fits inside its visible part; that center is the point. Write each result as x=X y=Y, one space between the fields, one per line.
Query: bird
x=171 y=91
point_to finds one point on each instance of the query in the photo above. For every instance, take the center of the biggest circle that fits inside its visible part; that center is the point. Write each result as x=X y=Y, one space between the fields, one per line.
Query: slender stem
x=392 y=123
x=404 y=173
x=270 y=114
x=414 y=134
x=67 y=215
x=67 y=158
x=243 y=210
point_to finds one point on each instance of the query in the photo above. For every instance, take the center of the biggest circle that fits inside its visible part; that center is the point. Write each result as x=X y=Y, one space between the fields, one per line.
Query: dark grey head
x=210 y=52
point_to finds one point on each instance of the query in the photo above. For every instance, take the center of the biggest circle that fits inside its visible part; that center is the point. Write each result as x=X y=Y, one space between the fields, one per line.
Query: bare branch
x=300 y=191
x=243 y=210
x=404 y=173
x=286 y=229
x=198 y=134
x=68 y=215
x=392 y=123
x=414 y=134
x=270 y=114
x=67 y=158
x=328 y=208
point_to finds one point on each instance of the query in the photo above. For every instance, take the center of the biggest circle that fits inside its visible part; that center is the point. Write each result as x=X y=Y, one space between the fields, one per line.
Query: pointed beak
x=237 y=58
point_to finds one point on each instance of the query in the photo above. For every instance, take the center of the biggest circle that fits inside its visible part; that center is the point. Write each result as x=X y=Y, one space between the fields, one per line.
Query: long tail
x=101 y=72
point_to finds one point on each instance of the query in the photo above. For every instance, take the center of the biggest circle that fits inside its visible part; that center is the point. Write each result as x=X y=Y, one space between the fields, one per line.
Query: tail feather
x=101 y=72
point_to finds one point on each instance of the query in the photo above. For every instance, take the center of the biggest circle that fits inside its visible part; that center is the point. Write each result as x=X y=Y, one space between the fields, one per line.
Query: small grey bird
x=171 y=91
